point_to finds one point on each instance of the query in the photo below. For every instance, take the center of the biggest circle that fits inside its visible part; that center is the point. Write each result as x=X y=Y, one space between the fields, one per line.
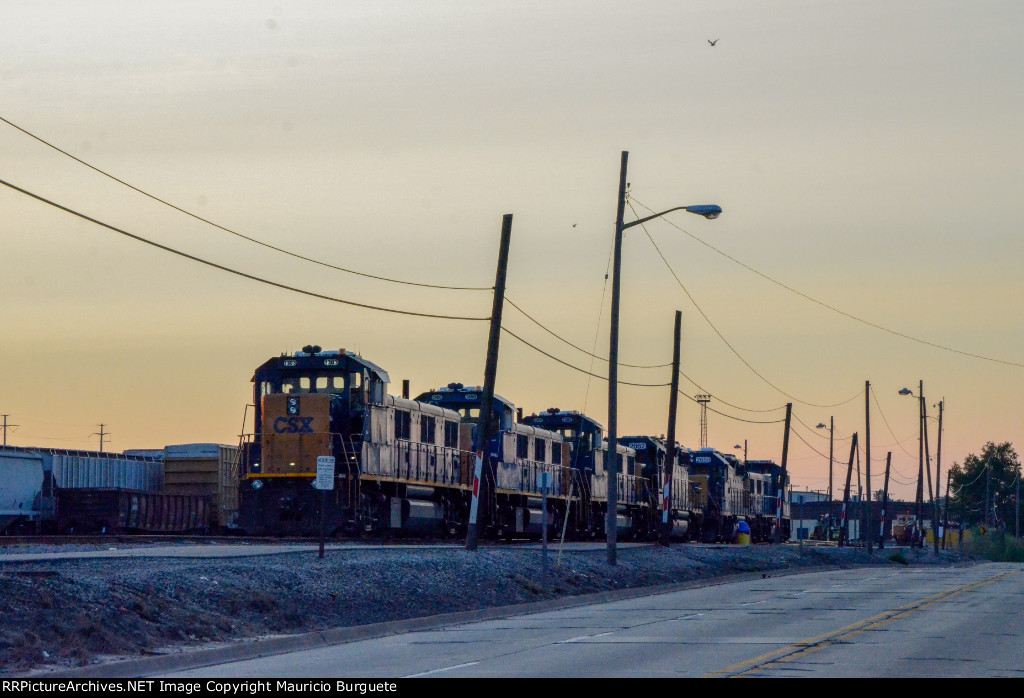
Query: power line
x=621 y=363
x=577 y=368
x=580 y=349
x=720 y=335
x=237 y=234
x=830 y=307
x=229 y=269
x=797 y=434
x=641 y=385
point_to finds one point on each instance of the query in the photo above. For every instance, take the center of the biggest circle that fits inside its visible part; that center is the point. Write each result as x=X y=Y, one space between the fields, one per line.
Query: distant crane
x=712 y=42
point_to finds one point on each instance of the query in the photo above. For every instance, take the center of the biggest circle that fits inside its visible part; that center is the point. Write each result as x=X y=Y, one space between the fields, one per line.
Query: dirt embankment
x=74 y=612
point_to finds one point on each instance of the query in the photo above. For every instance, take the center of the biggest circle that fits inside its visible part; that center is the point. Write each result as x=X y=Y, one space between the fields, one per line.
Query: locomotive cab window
x=556 y=453
x=539 y=451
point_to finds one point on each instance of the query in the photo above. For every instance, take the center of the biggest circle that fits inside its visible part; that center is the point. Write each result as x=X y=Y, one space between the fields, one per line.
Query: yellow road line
x=804 y=647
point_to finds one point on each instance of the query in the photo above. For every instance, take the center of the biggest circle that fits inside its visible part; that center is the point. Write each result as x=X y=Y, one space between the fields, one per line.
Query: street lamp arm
x=709 y=211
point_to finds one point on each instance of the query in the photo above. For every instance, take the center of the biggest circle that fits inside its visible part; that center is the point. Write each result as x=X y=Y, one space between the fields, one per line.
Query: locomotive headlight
x=256 y=484
x=293 y=405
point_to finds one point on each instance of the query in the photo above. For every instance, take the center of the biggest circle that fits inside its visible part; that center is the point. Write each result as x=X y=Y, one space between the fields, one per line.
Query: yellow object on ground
x=742 y=539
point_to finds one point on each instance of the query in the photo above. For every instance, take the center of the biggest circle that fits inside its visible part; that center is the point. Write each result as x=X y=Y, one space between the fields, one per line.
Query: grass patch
x=994 y=545
x=898 y=558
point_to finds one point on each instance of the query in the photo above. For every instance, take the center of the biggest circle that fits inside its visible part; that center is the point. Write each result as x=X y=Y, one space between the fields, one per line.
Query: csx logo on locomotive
x=293 y=425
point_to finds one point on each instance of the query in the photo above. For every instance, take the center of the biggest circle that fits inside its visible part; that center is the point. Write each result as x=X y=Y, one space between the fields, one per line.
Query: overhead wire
x=236 y=272
x=830 y=307
x=622 y=363
x=577 y=368
x=641 y=385
x=580 y=349
x=237 y=234
x=716 y=330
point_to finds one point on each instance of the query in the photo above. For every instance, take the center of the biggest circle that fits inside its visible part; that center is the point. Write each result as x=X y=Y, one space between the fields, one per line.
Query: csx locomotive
x=405 y=466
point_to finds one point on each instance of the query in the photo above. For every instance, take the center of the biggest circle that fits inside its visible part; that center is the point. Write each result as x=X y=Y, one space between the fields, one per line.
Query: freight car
x=46 y=490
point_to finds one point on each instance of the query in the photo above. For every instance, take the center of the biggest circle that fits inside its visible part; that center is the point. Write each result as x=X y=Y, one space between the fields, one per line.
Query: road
x=880 y=622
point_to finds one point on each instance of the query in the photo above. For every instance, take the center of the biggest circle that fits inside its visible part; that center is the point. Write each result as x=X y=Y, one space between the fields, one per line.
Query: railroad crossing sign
x=324 y=473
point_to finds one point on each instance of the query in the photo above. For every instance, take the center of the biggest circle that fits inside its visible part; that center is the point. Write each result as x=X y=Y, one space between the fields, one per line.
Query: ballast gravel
x=60 y=613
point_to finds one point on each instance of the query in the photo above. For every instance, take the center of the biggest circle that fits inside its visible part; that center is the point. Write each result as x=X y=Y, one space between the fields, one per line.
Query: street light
x=831 y=457
x=922 y=447
x=744 y=450
x=709 y=211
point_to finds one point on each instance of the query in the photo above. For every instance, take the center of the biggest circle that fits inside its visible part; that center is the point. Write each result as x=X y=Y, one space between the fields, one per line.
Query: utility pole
x=843 y=532
x=938 y=482
x=782 y=476
x=928 y=470
x=487 y=425
x=988 y=483
x=920 y=458
x=885 y=501
x=945 y=512
x=611 y=517
x=8 y=426
x=670 y=455
x=831 y=457
x=860 y=501
x=100 y=434
x=867 y=460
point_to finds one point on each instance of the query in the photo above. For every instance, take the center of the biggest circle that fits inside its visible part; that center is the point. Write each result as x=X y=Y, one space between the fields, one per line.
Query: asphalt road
x=882 y=622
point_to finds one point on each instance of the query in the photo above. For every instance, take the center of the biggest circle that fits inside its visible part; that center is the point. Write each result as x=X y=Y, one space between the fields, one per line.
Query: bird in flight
x=712 y=42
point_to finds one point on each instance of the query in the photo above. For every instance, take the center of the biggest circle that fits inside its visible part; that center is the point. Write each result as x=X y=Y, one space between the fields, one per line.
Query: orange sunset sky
x=867 y=155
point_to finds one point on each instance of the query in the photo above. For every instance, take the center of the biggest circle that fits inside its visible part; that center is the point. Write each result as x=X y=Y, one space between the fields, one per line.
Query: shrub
x=994 y=545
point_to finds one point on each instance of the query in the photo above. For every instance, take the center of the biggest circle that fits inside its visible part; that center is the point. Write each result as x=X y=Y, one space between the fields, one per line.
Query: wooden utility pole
x=928 y=471
x=885 y=501
x=843 y=533
x=670 y=447
x=945 y=511
x=782 y=476
x=988 y=484
x=938 y=482
x=867 y=460
x=831 y=458
x=487 y=426
x=612 y=464
x=920 y=459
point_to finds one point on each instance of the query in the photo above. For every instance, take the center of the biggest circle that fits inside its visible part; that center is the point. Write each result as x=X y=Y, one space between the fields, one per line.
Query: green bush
x=898 y=557
x=994 y=545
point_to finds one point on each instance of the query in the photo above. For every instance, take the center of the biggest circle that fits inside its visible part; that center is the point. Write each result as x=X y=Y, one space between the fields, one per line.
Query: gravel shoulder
x=65 y=613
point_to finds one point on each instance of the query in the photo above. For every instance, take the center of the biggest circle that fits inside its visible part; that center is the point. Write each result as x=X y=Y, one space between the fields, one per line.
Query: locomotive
x=406 y=466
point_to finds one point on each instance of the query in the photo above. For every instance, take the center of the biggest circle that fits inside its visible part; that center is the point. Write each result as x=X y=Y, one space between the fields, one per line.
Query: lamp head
x=906 y=391
x=821 y=425
x=709 y=211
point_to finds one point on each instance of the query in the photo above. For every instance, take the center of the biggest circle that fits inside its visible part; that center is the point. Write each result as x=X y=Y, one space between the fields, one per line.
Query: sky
x=867 y=156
